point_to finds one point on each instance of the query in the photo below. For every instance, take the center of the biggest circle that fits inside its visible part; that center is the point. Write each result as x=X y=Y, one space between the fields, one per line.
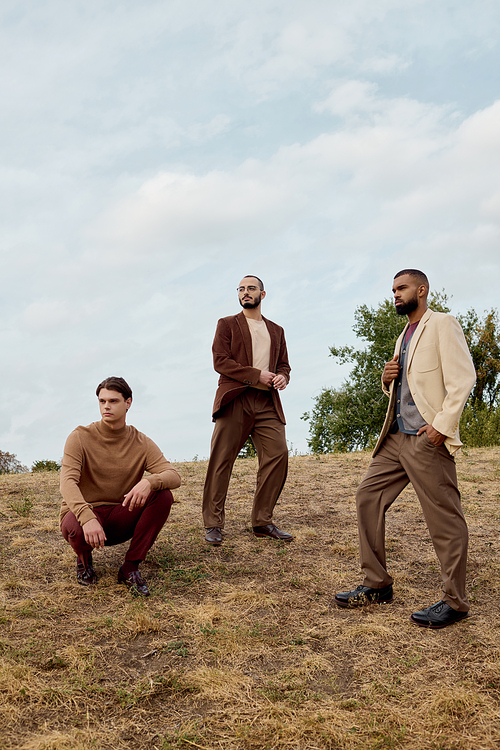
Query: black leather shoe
x=273 y=532
x=439 y=615
x=134 y=582
x=85 y=574
x=363 y=595
x=214 y=535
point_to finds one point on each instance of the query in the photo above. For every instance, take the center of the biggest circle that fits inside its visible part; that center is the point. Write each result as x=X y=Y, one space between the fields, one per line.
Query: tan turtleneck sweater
x=101 y=465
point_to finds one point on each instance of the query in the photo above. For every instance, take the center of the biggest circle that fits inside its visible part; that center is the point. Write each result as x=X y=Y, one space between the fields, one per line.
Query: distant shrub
x=10 y=465
x=46 y=466
x=23 y=506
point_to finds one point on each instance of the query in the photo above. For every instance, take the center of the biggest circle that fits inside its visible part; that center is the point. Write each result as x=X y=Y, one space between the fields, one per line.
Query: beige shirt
x=261 y=347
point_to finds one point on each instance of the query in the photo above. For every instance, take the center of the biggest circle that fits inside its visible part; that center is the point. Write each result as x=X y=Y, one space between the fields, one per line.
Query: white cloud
x=173 y=211
x=349 y=97
x=413 y=167
x=40 y=315
x=384 y=64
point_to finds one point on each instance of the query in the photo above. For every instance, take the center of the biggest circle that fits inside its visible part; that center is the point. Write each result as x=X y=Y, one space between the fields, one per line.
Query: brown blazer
x=232 y=351
x=440 y=374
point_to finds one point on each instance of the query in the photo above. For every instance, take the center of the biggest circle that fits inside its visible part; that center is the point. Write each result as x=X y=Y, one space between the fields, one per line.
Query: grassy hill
x=241 y=646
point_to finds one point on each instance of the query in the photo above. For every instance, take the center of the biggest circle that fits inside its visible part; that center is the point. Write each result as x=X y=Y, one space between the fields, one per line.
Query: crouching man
x=106 y=498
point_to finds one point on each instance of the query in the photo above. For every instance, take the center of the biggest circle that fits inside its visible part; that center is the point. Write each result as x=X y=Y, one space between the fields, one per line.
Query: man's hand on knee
x=94 y=534
x=138 y=495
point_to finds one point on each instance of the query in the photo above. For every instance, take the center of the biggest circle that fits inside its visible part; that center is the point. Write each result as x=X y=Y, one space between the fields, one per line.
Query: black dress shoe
x=214 y=535
x=273 y=532
x=85 y=574
x=439 y=615
x=134 y=582
x=363 y=595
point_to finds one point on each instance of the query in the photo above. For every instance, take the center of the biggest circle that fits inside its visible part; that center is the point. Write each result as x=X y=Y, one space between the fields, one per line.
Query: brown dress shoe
x=214 y=535
x=134 y=582
x=85 y=574
x=273 y=532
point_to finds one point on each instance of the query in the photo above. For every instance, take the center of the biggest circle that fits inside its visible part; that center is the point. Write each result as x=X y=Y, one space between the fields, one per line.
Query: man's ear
x=129 y=403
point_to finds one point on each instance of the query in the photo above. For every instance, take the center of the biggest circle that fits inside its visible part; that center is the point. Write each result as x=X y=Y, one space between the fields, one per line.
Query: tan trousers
x=251 y=413
x=409 y=458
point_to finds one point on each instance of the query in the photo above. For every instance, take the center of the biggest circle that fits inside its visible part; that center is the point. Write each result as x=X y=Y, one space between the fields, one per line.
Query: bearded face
x=250 y=296
x=405 y=308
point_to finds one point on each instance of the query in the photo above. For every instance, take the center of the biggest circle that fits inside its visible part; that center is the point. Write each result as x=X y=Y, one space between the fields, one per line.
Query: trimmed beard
x=250 y=305
x=407 y=307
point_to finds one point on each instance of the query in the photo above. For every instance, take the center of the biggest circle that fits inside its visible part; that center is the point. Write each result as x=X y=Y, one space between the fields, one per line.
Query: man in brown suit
x=428 y=382
x=251 y=358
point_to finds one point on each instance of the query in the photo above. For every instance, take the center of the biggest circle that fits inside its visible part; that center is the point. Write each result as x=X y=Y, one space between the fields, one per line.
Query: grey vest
x=406 y=413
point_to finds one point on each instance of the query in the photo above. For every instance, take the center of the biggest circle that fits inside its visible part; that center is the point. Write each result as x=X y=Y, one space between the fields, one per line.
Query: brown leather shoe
x=85 y=574
x=134 y=582
x=273 y=532
x=214 y=536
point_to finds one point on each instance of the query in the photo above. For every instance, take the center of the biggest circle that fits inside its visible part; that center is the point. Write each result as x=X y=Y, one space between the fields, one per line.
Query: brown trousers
x=409 y=458
x=251 y=413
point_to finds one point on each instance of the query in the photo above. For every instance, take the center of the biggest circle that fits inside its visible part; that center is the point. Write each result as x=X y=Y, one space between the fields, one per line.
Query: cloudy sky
x=153 y=153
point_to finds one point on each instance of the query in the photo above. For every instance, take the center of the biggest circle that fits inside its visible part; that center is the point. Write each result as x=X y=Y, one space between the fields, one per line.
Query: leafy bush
x=480 y=426
x=46 y=465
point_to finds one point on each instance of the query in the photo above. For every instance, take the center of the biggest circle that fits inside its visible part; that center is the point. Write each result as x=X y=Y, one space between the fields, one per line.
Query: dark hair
x=115 y=384
x=419 y=275
x=252 y=276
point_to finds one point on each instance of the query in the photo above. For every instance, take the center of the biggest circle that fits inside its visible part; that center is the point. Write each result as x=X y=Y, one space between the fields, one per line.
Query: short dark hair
x=419 y=275
x=253 y=276
x=115 y=384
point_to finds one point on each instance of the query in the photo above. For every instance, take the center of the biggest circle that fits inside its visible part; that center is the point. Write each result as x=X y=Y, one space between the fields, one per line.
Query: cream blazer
x=440 y=373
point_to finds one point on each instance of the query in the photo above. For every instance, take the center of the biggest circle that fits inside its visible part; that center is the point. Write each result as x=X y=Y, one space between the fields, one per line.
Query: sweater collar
x=107 y=432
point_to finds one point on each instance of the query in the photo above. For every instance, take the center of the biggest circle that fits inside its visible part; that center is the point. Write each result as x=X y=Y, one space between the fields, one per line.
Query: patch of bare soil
x=241 y=646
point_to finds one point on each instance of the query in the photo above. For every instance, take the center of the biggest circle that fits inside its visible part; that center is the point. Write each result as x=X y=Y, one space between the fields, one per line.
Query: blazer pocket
x=426 y=359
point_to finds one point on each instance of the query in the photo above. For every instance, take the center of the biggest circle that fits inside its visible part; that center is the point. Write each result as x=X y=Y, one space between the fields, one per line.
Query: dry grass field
x=241 y=647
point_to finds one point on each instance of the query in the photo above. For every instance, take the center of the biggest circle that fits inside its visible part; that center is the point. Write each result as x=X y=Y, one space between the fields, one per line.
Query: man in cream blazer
x=428 y=382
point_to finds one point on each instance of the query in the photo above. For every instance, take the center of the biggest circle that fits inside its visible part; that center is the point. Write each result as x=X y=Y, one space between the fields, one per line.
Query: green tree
x=483 y=338
x=10 y=465
x=350 y=417
x=480 y=422
x=248 y=450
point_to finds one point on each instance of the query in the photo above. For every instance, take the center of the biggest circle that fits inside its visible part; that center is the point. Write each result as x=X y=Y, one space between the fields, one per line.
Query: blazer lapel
x=246 y=337
x=397 y=347
x=418 y=332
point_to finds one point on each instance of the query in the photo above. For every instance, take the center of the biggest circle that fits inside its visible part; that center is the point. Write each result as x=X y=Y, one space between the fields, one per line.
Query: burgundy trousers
x=141 y=525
